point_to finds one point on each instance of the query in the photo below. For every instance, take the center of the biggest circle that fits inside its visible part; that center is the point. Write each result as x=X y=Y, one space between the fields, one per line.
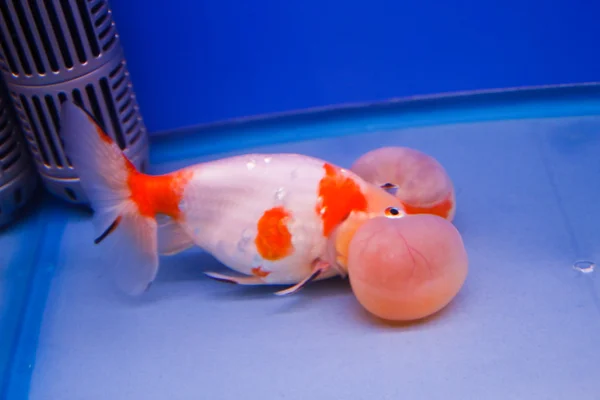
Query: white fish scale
x=225 y=200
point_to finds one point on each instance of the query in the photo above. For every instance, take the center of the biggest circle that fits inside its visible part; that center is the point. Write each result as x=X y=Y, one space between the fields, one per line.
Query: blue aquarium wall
x=197 y=62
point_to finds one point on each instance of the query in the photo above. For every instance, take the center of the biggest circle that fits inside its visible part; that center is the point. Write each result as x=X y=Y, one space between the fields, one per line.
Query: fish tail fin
x=105 y=176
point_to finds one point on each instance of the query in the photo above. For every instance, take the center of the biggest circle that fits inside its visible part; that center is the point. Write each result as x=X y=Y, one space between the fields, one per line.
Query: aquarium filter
x=18 y=178
x=54 y=50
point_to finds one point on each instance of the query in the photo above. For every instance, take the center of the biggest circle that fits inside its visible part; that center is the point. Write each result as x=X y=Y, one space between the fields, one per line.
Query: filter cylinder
x=54 y=50
x=18 y=177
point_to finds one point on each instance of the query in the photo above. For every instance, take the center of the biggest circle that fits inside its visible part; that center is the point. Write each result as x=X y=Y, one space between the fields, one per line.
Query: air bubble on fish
x=280 y=195
x=244 y=241
x=182 y=205
x=251 y=164
x=320 y=201
x=247 y=234
x=268 y=159
x=242 y=244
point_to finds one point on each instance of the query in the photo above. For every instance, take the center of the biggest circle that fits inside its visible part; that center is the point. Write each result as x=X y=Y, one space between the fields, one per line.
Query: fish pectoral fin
x=318 y=268
x=237 y=280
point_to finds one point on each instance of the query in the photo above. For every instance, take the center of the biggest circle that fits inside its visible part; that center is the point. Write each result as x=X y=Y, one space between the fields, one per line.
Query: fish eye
x=393 y=212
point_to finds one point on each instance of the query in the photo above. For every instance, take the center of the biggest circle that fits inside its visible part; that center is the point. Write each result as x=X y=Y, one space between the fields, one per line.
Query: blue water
x=525 y=326
x=218 y=59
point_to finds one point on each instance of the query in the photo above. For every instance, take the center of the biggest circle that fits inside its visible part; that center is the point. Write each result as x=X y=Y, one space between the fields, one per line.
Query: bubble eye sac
x=393 y=212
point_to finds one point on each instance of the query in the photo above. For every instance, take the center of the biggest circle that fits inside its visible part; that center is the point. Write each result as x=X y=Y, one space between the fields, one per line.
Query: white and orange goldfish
x=275 y=218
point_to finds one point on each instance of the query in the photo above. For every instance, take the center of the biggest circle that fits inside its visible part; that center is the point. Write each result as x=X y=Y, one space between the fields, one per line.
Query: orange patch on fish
x=441 y=209
x=339 y=195
x=274 y=240
x=261 y=273
x=159 y=194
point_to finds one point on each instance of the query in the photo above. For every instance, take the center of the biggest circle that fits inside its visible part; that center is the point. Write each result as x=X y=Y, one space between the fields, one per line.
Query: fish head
x=380 y=204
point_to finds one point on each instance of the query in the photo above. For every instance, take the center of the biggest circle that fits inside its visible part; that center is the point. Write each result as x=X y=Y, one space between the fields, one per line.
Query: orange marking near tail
x=152 y=194
x=274 y=240
x=339 y=195
x=441 y=209
x=261 y=273
x=157 y=194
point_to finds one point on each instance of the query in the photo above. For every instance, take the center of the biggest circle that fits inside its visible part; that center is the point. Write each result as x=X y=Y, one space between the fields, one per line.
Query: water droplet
x=268 y=159
x=584 y=266
x=251 y=164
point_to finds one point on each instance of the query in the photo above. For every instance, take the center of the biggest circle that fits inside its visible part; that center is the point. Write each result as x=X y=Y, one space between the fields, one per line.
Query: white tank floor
x=525 y=326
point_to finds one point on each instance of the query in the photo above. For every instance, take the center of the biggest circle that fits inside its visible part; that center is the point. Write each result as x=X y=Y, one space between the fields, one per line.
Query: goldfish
x=275 y=219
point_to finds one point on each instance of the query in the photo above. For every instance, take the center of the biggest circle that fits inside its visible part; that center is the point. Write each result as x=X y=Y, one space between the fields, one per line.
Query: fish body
x=275 y=218
x=257 y=214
